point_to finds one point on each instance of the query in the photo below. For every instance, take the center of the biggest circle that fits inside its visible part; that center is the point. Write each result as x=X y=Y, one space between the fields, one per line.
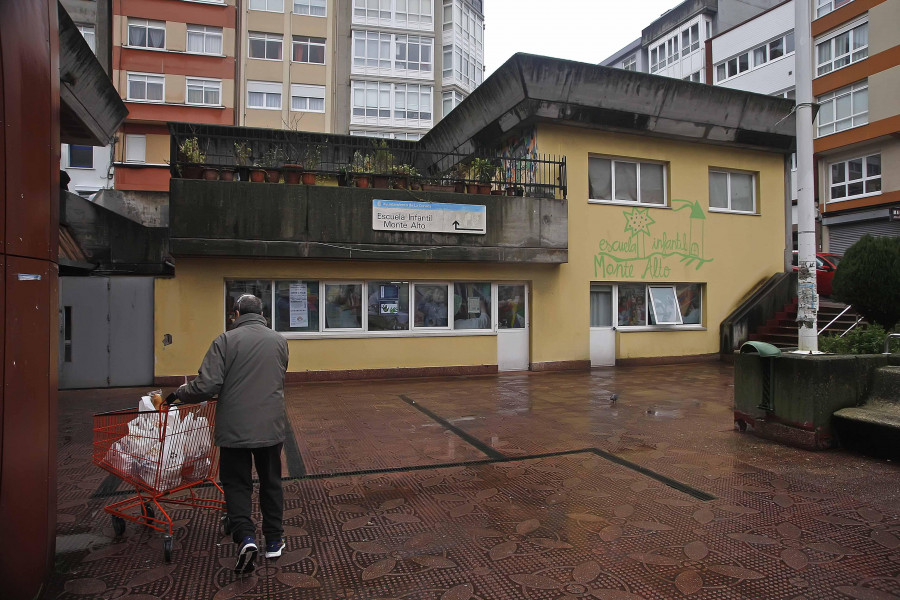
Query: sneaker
x=246 y=555
x=273 y=549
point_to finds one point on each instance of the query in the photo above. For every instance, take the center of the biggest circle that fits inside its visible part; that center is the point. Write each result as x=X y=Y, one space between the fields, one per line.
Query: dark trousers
x=237 y=482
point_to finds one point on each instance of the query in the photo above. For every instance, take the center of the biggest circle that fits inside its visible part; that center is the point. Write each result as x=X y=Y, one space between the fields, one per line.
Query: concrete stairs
x=781 y=330
x=874 y=427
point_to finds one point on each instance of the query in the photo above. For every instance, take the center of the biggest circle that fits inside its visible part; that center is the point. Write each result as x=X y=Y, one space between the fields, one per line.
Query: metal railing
x=349 y=157
x=830 y=323
x=887 y=342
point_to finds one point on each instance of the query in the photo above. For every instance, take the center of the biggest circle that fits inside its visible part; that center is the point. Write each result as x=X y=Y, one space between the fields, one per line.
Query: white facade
x=397 y=87
x=88 y=168
x=680 y=53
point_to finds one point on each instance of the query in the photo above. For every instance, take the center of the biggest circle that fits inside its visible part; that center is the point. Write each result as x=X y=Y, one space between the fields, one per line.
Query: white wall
x=85 y=181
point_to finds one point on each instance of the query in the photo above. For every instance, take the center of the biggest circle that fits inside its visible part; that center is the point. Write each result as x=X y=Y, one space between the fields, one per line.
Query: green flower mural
x=638 y=222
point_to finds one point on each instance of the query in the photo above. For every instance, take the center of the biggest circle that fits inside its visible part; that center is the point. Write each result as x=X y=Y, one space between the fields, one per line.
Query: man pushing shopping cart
x=245 y=366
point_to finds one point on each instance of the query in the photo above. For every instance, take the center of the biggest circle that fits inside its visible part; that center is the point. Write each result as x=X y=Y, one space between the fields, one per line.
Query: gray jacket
x=245 y=367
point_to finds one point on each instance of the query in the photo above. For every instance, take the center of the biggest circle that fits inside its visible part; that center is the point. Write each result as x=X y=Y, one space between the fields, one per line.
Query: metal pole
x=808 y=299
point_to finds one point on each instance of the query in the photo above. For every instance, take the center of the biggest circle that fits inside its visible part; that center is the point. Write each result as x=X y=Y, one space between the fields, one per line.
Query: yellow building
x=651 y=208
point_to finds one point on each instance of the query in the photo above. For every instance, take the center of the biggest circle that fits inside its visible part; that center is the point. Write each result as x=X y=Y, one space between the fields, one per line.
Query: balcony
x=239 y=191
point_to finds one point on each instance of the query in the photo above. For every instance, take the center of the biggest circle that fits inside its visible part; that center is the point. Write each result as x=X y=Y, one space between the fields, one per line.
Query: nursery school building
x=628 y=215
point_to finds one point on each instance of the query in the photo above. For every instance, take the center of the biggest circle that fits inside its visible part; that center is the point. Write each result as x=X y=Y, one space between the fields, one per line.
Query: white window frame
x=417 y=22
x=853 y=55
x=823 y=7
x=267 y=88
x=276 y=6
x=310 y=5
x=449 y=298
x=612 y=166
x=133 y=141
x=310 y=42
x=724 y=69
x=205 y=84
x=158 y=79
x=693 y=38
x=307 y=92
x=828 y=102
x=383 y=42
x=754 y=178
x=408 y=41
x=207 y=33
x=454 y=97
x=390 y=13
x=652 y=304
x=630 y=63
x=146 y=24
x=847 y=181
x=89 y=33
x=266 y=38
x=424 y=95
x=681 y=326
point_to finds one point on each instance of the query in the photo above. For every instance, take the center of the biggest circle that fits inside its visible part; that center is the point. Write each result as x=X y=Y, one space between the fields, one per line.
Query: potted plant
x=403 y=175
x=311 y=156
x=359 y=169
x=191 y=158
x=242 y=160
x=459 y=174
x=269 y=163
x=484 y=171
x=383 y=164
x=516 y=175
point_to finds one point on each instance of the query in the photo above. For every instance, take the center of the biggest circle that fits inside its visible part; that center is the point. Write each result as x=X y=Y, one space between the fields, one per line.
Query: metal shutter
x=841 y=237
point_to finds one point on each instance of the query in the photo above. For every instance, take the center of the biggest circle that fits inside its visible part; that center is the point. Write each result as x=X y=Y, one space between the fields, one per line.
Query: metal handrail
x=834 y=319
x=858 y=321
x=887 y=341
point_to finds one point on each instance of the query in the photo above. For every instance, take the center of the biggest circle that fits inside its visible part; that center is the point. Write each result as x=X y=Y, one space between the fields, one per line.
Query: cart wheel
x=118 y=524
x=167 y=548
x=149 y=514
x=226 y=524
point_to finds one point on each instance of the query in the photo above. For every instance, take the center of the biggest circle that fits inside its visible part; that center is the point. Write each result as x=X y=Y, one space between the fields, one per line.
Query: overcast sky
x=584 y=30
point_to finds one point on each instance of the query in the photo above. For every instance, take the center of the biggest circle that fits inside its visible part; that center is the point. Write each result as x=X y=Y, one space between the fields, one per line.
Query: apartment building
x=379 y=68
x=172 y=60
x=856 y=69
x=90 y=167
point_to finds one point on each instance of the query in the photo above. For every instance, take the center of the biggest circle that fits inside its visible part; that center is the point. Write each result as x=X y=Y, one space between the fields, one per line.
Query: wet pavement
x=533 y=486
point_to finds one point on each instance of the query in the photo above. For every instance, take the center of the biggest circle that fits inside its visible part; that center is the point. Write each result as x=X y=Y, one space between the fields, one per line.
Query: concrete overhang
x=91 y=110
x=529 y=88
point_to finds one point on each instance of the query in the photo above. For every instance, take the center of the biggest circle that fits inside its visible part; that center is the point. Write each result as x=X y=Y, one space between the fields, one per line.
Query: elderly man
x=245 y=367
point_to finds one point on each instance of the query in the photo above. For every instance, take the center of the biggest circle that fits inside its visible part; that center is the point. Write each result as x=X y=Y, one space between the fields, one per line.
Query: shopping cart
x=164 y=454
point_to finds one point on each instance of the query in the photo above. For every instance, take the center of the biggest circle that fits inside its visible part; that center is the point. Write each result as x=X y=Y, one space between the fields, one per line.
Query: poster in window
x=298 y=305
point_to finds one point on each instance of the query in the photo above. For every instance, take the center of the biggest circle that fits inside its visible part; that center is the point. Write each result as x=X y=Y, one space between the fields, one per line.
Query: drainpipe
x=808 y=299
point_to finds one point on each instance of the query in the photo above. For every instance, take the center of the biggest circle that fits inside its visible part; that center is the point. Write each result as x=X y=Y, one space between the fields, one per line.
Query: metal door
x=603 y=333
x=105 y=332
x=512 y=327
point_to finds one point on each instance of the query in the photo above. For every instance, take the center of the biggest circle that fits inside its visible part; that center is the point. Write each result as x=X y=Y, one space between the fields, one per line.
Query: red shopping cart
x=165 y=455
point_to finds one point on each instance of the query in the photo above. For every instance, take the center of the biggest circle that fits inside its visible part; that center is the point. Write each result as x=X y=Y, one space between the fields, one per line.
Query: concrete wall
x=150 y=209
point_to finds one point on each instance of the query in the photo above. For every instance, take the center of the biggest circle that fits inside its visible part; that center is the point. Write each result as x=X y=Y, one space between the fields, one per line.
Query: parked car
x=826 y=265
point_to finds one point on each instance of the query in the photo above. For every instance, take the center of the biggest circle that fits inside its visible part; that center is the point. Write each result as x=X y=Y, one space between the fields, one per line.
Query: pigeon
x=613 y=398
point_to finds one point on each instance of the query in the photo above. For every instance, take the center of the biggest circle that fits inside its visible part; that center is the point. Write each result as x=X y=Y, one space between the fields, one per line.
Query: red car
x=826 y=265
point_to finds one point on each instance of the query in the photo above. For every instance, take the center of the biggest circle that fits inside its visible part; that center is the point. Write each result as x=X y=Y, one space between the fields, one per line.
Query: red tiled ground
x=618 y=513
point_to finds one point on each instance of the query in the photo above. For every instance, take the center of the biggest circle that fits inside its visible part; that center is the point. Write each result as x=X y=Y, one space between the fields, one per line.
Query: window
x=843 y=49
x=204 y=91
x=451 y=100
x=81 y=157
x=204 y=40
x=413 y=12
x=264 y=94
x=659 y=305
x=135 y=148
x=617 y=180
x=89 y=34
x=762 y=54
x=413 y=53
x=695 y=77
x=823 y=7
x=856 y=177
x=511 y=306
x=265 y=45
x=448 y=61
x=236 y=289
x=297 y=306
x=371 y=99
x=371 y=49
x=601 y=305
x=664 y=54
x=412 y=101
x=372 y=9
x=267 y=5
x=630 y=63
x=309 y=50
x=388 y=305
x=149 y=88
x=472 y=306
x=313 y=8
x=431 y=306
x=308 y=98
x=690 y=39
x=343 y=306
x=732 y=191
x=844 y=108
x=146 y=34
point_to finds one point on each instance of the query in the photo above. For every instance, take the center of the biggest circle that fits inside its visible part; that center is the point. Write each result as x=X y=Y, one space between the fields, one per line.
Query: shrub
x=868 y=278
x=859 y=340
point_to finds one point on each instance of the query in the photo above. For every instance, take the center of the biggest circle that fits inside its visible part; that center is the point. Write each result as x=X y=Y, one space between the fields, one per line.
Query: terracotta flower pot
x=273 y=175
x=257 y=175
x=497 y=192
x=401 y=183
x=362 y=182
x=484 y=189
x=291 y=176
x=471 y=188
x=210 y=174
x=309 y=178
x=226 y=175
x=382 y=182
x=191 y=172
